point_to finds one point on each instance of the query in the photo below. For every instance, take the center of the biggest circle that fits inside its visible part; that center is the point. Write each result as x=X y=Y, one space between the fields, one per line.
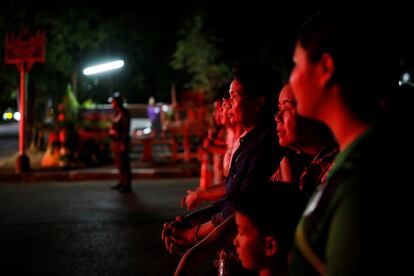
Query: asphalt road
x=84 y=228
x=9 y=140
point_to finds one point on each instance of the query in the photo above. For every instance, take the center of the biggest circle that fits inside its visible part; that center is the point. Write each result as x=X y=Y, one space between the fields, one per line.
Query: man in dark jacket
x=120 y=144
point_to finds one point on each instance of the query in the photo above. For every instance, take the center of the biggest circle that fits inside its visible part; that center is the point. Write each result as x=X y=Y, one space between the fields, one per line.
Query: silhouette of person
x=120 y=143
x=343 y=75
x=253 y=105
x=154 y=115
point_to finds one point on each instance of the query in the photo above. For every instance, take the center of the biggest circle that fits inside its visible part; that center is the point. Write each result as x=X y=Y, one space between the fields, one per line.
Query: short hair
x=274 y=208
x=259 y=79
x=116 y=96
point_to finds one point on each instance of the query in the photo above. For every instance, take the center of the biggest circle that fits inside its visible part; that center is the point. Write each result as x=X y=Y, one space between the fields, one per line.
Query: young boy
x=265 y=220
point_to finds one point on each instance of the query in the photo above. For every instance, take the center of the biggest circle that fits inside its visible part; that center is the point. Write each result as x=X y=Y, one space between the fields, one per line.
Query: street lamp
x=111 y=65
x=96 y=69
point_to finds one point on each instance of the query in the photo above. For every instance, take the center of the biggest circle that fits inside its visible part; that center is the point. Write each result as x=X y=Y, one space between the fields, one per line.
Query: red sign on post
x=25 y=48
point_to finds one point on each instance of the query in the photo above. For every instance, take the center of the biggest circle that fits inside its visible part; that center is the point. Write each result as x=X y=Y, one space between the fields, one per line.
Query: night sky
x=242 y=29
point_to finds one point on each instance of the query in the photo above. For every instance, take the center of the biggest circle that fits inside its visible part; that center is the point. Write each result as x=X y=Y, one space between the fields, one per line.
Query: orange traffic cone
x=206 y=174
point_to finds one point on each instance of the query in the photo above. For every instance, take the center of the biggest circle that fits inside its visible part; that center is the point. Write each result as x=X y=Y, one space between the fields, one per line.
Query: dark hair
x=259 y=79
x=318 y=131
x=116 y=96
x=366 y=66
x=119 y=100
x=274 y=208
x=223 y=91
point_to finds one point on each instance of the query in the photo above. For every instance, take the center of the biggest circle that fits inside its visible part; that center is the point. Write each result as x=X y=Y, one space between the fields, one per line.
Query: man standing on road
x=120 y=144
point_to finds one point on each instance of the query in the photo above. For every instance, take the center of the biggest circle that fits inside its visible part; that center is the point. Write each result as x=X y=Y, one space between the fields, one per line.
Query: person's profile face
x=225 y=107
x=218 y=112
x=241 y=106
x=286 y=117
x=249 y=242
x=304 y=82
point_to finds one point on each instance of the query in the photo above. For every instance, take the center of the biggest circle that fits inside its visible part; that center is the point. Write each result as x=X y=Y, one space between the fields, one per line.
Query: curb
x=97 y=174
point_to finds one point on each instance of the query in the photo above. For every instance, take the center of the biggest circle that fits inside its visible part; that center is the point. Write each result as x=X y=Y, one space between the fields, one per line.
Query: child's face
x=250 y=243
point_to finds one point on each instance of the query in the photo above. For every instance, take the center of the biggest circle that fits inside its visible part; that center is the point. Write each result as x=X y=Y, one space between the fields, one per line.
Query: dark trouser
x=122 y=162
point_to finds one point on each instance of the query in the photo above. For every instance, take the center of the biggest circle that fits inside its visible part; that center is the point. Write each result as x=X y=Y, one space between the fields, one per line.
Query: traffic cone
x=206 y=174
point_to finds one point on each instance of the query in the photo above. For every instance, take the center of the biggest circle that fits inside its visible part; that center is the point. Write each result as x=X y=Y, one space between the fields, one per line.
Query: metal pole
x=23 y=162
x=22 y=111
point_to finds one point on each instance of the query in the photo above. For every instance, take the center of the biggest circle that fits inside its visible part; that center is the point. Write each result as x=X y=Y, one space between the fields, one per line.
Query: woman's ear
x=271 y=246
x=327 y=69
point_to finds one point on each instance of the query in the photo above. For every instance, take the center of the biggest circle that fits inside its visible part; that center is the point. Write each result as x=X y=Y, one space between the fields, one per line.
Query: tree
x=197 y=55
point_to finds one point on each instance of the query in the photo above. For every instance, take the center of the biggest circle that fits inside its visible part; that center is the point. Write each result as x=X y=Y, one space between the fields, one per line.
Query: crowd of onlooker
x=310 y=175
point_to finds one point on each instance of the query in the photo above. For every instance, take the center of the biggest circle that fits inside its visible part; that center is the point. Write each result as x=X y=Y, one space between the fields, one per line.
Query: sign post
x=24 y=50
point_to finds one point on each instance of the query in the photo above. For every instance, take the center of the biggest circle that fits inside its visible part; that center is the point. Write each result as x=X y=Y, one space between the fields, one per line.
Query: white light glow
x=406 y=77
x=103 y=67
x=16 y=116
x=147 y=130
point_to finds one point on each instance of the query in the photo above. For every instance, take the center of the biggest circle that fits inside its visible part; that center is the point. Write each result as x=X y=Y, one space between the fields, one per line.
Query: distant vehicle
x=10 y=115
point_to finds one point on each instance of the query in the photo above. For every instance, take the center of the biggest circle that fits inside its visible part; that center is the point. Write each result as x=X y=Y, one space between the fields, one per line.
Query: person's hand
x=166 y=237
x=181 y=237
x=112 y=132
x=167 y=232
x=177 y=233
x=191 y=200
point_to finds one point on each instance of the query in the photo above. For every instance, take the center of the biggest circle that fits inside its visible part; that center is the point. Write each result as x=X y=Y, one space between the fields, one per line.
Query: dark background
x=145 y=34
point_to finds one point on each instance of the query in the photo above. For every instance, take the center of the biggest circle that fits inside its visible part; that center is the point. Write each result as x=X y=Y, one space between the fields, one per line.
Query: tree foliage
x=81 y=34
x=197 y=55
